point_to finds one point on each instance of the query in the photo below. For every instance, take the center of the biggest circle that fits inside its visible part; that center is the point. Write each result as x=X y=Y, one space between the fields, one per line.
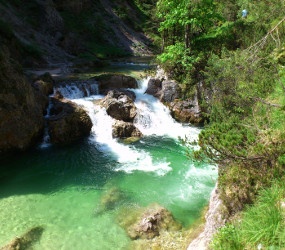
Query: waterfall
x=46 y=138
x=153 y=119
x=78 y=89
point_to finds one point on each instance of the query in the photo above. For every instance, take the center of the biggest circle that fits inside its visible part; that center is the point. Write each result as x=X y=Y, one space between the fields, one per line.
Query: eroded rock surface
x=170 y=93
x=68 y=122
x=21 y=116
x=115 y=81
x=123 y=129
x=119 y=106
x=152 y=222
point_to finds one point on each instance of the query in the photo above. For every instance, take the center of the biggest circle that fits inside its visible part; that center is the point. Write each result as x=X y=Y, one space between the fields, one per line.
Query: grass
x=261 y=225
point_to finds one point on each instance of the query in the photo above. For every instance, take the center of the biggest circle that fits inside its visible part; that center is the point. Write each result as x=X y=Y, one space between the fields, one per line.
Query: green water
x=60 y=188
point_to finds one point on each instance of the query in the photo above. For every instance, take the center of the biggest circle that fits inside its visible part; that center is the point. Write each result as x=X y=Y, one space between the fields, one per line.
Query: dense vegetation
x=239 y=61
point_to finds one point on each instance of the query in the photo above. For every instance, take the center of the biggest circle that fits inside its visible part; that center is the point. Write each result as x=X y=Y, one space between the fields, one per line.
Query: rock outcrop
x=187 y=111
x=43 y=86
x=115 y=81
x=165 y=90
x=119 y=106
x=21 y=116
x=215 y=219
x=123 y=129
x=68 y=122
x=169 y=92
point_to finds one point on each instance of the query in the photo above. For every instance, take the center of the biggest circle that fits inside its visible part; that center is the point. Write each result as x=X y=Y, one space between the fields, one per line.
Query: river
x=62 y=187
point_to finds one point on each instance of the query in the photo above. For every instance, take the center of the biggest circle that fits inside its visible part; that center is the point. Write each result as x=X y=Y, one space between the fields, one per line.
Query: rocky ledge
x=170 y=93
x=119 y=104
x=68 y=121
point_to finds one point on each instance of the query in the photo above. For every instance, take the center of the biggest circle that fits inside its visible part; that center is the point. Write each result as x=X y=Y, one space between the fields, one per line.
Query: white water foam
x=153 y=119
x=129 y=158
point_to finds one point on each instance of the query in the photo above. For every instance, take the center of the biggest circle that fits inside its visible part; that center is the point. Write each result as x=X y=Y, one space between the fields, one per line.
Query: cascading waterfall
x=153 y=119
x=61 y=187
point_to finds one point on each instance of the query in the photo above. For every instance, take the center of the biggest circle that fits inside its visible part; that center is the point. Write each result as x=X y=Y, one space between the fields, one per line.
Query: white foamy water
x=129 y=158
x=153 y=118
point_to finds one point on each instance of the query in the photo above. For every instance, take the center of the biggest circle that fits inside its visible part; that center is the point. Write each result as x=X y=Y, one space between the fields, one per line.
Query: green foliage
x=176 y=59
x=237 y=83
x=260 y=225
x=246 y=133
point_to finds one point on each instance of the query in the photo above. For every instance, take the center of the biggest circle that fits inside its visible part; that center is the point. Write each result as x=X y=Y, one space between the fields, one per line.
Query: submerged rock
x=152 y=222
x=111 y=198
x=26 y=240
x=68 y=122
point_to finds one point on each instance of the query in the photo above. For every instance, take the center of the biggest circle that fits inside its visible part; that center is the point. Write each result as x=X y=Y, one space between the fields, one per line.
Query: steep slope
x=56 y=31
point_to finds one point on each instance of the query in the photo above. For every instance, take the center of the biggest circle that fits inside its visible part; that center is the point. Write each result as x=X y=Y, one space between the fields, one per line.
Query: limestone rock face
x=154 y=87
x=21 y=117
x=152 y=222
x=53 y=20
x=186 y=111
x=123 y=129
x=73 y=5
x=43 y=87
x=119 y=106
x=68 y=122
x=164 y=90
x=115 y=81
x=170 y=91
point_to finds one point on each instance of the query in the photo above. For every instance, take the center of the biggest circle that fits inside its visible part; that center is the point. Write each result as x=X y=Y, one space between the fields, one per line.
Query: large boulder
x=152 y=223
x=68 y=122
x=21 y=116
x=115 y=81
x=123 y=129
x=119 y=106
x=170 y=91
x=186 y=111
x=165 y=90
x=154 y=87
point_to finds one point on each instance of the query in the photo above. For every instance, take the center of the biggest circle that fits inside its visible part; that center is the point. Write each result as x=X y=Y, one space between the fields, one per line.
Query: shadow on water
x=50 y=169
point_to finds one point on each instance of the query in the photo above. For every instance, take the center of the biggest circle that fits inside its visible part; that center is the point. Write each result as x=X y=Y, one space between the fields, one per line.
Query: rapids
x=60 y=188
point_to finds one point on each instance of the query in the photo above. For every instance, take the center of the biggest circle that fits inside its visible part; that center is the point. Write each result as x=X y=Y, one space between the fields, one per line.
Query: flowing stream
x=62 y=188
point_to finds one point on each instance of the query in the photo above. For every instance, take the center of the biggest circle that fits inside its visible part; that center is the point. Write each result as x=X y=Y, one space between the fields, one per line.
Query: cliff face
x=41 y=33
x=21 y=117
x=57 y=31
